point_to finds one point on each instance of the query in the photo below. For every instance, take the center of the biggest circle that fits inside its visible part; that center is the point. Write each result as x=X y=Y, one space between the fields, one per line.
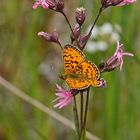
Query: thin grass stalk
x=86 y=107
x=81 y=112
x=25 y=97
x=76 y=118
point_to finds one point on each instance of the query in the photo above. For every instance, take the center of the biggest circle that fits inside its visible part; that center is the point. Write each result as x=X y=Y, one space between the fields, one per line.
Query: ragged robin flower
x=50 y=4
x=116 y=60
x=64 y=97
x=46 y=4
x=126 y=2
x=107 y=3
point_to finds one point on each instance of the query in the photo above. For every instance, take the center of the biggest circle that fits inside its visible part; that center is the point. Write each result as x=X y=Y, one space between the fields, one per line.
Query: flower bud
x=60 y=5
x=80 y=15
x=52 y=4
x=76 y=30
x=104 y=3
x=104 y=67
x=82 y=40
x=50 y=37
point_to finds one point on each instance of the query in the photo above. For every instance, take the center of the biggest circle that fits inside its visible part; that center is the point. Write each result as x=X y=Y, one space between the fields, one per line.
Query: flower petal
x=64 y=97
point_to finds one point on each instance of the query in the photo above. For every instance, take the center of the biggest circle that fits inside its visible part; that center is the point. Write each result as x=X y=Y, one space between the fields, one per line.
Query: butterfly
x=79 y=72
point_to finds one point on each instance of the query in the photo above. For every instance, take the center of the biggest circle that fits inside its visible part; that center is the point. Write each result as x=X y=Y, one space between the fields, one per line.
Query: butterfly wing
x=87 y=74
x=72 y=57
x=90 y=72
x=79 y=83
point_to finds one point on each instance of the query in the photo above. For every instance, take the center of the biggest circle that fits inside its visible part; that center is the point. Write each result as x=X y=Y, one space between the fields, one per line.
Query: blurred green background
x=34 y=66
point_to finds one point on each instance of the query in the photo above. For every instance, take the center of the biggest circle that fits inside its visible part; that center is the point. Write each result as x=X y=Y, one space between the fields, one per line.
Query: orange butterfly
x=79 y=72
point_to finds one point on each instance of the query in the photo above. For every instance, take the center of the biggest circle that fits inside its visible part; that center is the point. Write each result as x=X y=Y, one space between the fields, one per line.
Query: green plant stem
x=96 y=19
x=86 y=108
x=81 y=113
x=76 y=118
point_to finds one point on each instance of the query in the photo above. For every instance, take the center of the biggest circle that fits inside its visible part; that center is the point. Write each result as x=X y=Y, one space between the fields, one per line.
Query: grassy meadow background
x=34 y=66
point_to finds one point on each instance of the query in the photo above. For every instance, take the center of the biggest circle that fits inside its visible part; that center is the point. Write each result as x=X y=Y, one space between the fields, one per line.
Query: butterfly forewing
x=72 y=57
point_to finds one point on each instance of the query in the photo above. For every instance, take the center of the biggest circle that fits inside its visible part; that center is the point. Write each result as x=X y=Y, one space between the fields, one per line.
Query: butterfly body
x=79 y=72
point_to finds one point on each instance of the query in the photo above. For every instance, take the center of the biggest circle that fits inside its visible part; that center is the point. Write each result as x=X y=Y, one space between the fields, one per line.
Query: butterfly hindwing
x=78 y=83
x=87 y=75
x=88 y=69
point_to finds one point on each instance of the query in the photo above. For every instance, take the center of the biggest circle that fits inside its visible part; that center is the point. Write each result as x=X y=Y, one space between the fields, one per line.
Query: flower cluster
x=59 y=5
x=65 y=96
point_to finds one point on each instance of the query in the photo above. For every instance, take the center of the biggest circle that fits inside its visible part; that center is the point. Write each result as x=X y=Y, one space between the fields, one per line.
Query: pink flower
x=42 y=3
x=119 y=53
x=126 y=2
x=107 y=3
x=116 y=60
x=64 y=97
x=46 y=4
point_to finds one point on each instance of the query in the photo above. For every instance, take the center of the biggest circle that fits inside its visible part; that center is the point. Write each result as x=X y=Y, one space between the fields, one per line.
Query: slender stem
x=67 y=20
x=76 y=118
x=86 y=107
x=60 y=45
x=81 y=111
x=63 y=13
x=96 y=19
